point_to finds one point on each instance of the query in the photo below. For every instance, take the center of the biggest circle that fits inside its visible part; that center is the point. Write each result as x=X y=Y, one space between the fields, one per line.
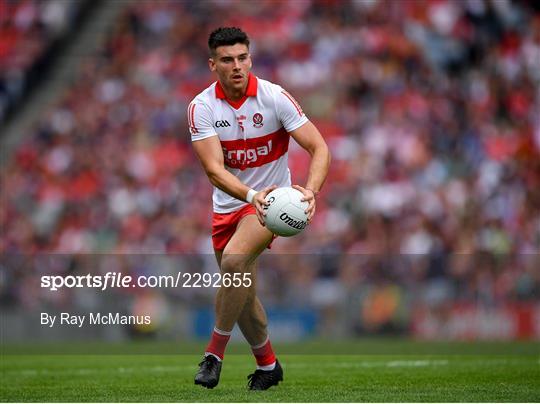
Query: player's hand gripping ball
x=285 y=216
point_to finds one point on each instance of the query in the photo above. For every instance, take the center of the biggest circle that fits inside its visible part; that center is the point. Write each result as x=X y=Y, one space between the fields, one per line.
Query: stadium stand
x=32 y=33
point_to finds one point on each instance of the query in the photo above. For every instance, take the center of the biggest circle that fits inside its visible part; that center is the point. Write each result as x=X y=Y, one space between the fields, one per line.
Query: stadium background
x=428 y=225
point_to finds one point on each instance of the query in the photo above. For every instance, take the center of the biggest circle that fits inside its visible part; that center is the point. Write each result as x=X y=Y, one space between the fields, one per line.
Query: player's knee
x=234 y=263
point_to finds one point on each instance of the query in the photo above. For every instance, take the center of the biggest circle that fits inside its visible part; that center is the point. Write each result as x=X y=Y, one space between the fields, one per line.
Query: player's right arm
x=209 y=152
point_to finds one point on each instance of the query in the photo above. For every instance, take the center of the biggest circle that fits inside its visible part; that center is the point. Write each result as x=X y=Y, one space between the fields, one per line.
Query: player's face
x=232 y=65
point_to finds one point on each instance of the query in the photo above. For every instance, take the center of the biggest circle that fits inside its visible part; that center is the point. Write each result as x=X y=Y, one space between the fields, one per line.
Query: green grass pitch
x=319 y=371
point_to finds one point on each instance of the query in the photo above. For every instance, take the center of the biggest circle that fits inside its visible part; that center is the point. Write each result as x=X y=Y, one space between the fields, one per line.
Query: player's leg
x=210 y=367
x=252 y=320
x=253 y=323
x=238 y=257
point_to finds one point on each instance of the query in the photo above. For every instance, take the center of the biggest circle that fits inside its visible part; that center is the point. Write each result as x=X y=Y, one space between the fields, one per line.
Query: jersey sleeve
x=200 y=121
x=289 y=111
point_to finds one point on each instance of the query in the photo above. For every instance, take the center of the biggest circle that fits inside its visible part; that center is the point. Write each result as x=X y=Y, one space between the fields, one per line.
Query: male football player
x=240 y=128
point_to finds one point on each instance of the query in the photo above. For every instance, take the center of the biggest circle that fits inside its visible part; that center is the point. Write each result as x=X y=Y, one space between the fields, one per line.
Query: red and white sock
x=218 y=343
x=266 y=359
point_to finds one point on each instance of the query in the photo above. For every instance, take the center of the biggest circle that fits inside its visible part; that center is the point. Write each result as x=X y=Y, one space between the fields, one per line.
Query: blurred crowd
x=28 y=28
x=430 y=108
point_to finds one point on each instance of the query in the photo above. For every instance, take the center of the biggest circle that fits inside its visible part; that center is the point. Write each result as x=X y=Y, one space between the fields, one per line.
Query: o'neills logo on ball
x=297 y=224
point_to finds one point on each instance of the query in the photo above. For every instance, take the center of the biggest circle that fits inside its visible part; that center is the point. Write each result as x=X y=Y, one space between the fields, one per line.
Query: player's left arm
x=311 y=140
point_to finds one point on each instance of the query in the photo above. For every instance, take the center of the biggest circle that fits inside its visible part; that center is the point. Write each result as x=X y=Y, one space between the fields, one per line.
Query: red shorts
x=224 y=225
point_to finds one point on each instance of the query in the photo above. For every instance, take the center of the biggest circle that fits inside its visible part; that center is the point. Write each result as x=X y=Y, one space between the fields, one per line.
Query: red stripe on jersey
x=291 y=98
x=191 y=118
x=255 y=152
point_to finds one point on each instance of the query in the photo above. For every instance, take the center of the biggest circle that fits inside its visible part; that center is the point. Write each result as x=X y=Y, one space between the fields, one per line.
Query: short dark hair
x=226 y=36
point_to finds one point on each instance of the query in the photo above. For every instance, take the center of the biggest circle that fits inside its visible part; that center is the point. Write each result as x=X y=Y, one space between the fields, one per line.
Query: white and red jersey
x=254 y=134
